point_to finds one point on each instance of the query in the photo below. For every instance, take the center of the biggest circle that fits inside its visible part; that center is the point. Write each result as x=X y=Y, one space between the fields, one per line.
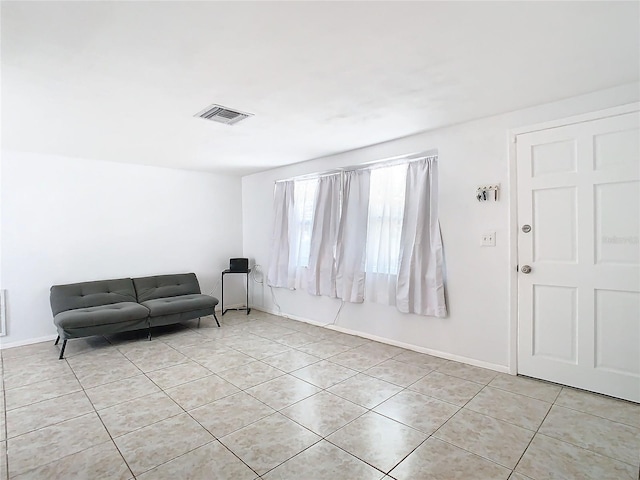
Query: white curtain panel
x=420 y=287
x=321 y=274
x=352 y=237
x=278 y=273
x=386 y=208
x=300 y=231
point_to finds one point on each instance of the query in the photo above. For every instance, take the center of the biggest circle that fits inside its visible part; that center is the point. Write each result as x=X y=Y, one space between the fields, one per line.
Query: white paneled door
x=579 y=255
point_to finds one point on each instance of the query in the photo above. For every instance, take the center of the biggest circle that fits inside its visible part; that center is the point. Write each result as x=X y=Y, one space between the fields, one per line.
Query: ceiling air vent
x=220 y=114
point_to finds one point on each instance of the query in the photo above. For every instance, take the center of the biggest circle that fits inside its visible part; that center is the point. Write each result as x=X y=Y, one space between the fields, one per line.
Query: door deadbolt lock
x=525 y=269
x=526 y=228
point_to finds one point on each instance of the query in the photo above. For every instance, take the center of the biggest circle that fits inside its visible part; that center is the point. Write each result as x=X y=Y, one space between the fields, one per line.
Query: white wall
x=69 y=220
x=478 y=278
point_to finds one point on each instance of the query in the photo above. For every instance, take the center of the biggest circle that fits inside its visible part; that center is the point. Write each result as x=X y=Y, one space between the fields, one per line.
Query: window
x=361 y=258
x=304 y=195
x=386 y=211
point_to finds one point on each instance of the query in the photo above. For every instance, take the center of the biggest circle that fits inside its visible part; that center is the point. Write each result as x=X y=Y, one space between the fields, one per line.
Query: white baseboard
x=428 y=351
x=30 y=341
x=388 y=341
x=288 y=315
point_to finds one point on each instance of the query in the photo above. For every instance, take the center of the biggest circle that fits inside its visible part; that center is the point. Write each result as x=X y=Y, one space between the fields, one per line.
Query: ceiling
x=121 y=81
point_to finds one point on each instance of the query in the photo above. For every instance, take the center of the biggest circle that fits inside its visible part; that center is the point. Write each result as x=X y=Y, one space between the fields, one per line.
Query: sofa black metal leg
x=64 y=344
x=57 y=340
x=198 y=322
x=214 y=316
x=149 y=335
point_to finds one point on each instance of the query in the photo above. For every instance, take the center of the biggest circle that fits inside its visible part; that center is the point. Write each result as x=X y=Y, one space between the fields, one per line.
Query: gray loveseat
x=111 y=306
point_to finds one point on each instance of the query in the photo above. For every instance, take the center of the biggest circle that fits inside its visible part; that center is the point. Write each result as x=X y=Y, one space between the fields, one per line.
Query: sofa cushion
x=101 y=315
x=182 y=303
x=162 y=286
x=91 y=294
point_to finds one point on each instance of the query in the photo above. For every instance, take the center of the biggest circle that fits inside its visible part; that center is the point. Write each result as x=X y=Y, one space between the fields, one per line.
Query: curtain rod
x=386 y=162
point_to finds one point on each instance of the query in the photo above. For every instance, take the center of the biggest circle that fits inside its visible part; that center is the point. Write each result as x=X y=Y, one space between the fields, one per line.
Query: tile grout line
x=580 y=446
x=403 y=388
x=368 y=410
x=254 y=359
x=499 y=419
x=274 y=412
x=537 y=432
x=533 y=437
x=322 y=437
x=594 y=414
x=100 y=418
x=358 y=371
x=303 y=399
x=189 y=358
x=215 y=438
x=72 y=418
x=511 y=470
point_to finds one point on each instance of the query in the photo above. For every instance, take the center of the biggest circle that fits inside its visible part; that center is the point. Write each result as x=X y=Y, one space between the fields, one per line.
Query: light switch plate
x=488 y=239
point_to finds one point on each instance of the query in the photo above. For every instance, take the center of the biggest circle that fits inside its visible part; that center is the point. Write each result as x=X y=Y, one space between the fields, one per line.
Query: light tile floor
x=272 y=398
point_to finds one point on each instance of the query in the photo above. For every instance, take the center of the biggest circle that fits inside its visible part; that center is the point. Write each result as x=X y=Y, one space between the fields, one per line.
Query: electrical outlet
x=488 y=239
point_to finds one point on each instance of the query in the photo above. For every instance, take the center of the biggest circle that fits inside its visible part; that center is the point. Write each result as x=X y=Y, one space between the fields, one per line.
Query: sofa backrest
x=161 y=286
x=91 y=294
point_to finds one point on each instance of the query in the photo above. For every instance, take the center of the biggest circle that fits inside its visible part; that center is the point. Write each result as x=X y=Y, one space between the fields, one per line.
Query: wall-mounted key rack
x=485 y=193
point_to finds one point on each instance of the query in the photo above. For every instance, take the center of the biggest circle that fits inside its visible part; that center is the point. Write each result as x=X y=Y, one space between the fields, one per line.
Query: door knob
x=525 y=269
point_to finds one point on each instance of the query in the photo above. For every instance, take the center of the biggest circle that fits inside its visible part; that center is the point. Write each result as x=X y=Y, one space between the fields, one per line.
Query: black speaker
x=239 y=264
